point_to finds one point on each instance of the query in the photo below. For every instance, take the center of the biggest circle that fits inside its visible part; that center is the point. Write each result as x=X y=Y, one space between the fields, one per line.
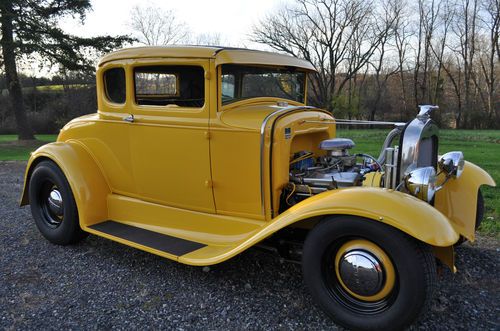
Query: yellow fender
x=458 y=198
x=402 y=211
x=85 y=178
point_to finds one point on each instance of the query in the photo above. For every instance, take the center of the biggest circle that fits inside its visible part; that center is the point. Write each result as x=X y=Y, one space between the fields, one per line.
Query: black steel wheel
x=367 y=275
x=53 y=206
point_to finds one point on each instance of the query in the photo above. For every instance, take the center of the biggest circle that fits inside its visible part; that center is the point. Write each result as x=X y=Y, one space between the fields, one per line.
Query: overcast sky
x=232 y=19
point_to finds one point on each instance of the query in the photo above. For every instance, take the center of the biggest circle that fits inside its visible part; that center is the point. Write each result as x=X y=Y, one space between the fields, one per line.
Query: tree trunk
x=24 y=130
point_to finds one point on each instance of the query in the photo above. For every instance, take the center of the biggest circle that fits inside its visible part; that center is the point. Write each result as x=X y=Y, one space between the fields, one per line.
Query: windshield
x=243 y=82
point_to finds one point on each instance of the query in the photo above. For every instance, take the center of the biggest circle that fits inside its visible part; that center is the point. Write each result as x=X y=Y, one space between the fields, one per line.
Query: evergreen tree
x=30 y=27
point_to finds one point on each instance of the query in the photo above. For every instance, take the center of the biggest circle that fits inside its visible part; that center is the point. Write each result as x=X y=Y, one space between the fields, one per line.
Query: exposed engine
x=311 y=175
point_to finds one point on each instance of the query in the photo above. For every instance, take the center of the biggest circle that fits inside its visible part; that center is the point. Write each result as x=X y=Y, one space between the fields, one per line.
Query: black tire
x=479 y=216
x=413 y=274
x=57 y=221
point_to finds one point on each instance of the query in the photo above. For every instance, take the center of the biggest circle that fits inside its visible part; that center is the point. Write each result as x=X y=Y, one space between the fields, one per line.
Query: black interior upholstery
x=191 y=87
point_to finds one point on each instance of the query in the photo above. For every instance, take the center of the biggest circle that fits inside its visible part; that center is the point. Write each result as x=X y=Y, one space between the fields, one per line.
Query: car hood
x=250 y=116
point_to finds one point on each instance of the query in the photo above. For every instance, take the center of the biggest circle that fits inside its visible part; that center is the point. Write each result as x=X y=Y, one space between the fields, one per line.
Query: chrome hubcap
x=361 y=272
x=55 y=203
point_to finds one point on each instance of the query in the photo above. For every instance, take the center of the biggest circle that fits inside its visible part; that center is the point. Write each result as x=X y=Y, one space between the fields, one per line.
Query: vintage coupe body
x=199 y=153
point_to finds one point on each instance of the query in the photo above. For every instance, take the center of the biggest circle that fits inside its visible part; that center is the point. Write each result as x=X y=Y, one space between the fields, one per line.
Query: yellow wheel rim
x=364 y=270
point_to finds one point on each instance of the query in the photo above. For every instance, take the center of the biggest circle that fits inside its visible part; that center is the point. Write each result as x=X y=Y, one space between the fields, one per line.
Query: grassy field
x=11 y=149
x=480 y=147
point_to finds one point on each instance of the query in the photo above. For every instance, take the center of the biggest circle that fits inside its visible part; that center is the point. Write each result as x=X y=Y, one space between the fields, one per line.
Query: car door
x=169 y=134
x=106 y=135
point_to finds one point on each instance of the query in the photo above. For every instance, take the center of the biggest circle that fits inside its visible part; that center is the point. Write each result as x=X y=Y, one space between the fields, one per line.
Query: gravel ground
x=100 y=284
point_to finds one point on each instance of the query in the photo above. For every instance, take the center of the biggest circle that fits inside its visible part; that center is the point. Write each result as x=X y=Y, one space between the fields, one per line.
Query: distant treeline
x=50 y=103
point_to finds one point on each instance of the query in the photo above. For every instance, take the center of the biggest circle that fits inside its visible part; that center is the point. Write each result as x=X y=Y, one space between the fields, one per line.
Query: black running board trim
x=158 y=241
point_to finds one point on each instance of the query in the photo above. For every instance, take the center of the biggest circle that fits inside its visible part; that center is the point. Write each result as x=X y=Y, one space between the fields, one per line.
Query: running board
x=158 y=241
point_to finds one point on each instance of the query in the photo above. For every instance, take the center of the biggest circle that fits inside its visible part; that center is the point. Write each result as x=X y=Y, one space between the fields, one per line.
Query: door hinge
x=209 y=183
x=208 y=135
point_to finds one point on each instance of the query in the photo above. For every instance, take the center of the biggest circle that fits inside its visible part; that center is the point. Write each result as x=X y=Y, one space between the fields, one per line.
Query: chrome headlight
x=421 y=183
x=452 y=164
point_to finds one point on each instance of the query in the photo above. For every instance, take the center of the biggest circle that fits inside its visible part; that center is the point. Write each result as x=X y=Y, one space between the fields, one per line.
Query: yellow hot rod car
x=199 y=153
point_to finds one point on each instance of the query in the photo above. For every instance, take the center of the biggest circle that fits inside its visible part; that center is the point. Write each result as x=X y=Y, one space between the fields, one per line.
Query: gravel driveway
x=100 y=284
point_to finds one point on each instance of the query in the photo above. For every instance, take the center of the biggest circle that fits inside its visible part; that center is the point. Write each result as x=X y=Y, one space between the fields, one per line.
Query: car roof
x=222 y=55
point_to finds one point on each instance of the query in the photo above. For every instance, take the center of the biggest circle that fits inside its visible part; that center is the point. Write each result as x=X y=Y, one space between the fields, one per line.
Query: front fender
x=458 y=198
x=88 y=185
x=402 y=211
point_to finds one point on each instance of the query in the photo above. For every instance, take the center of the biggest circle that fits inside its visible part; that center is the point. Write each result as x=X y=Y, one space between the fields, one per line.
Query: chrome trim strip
x=356 y=122
x=262 y=142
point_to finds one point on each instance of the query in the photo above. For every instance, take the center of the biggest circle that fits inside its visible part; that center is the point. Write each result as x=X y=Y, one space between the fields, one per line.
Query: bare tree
x=402 y=43
x=490 y=59
x=209 y=39
x=337 y=36
x=445 y=15
x=464 y=29
x=156 y=26
x=428 y=21
x=289 y=32
x=445 y=62
x=382 y=70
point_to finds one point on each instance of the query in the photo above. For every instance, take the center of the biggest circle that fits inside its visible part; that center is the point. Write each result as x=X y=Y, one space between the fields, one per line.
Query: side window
x=228 y=85
x=114 y=85
x=156 y=84
x=174 y=86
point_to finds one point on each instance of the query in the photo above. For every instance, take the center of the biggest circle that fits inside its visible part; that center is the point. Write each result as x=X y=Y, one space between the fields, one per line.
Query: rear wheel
x=367 y=275
x=53 y=206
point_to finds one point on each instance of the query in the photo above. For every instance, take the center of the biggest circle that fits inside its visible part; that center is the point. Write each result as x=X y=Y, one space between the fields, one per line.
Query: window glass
x=181 y=86
x=243 y=82
x=114 y=85
x=157 y=83
x=227 y=87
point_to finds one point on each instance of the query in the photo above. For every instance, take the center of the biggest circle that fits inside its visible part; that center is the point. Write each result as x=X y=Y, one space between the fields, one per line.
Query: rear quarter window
x=114 y=85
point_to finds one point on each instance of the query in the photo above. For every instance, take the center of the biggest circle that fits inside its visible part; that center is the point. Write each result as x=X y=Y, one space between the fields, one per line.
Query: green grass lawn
x=480 y=147
x=13 y=150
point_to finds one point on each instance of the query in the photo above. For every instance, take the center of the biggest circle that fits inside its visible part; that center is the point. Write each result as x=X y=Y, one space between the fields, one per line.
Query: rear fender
x=85 y=178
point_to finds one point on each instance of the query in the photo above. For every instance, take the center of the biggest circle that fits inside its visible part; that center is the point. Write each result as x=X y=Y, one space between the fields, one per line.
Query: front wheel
x=367 y=275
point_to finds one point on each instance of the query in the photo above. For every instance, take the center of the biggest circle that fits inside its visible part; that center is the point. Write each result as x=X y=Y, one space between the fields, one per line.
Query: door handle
x=129 y=118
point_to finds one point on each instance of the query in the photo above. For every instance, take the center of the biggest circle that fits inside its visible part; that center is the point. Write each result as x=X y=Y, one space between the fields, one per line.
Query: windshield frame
x=239 y=101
